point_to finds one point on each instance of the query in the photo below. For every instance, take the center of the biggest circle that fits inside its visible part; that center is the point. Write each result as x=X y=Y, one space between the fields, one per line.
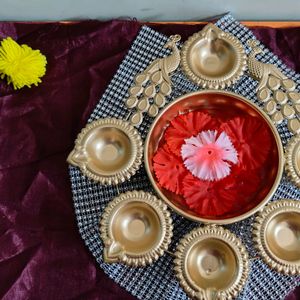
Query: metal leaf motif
x=151 y=86
x=275 y=90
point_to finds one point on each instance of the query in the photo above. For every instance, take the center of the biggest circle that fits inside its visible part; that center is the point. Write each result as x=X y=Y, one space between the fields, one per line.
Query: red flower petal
x=209 y=198
x=217 y=198
x=251 y=138
x=185 y=126
x=169 y=169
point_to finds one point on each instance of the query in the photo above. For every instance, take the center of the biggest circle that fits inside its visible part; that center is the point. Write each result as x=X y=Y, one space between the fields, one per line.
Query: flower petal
x=207 y=156
x=225 y=143
x=169 y=169
x=208 y=199
x=252 y=139
x=186 y=125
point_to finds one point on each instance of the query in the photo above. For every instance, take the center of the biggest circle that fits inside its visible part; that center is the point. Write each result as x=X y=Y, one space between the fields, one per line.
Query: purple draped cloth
x=41 y=253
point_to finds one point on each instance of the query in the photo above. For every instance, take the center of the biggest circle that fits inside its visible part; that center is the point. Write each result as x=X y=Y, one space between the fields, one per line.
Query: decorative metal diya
x=276 y=232
x=211 y=263
x=136 y=229
x=108 y=151
x=213 y=102
x=293 y=160
x=213 y=58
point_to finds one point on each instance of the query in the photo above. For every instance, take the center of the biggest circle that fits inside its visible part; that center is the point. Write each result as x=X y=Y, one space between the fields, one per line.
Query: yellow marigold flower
x=21 y=65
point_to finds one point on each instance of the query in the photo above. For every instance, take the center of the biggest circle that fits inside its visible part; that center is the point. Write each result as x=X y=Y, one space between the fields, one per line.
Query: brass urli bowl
x=225 y=105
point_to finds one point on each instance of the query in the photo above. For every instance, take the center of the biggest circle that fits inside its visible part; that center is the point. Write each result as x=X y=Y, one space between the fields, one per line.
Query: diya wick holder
x=108 y=151
x=276 y=235
x=136 y=229
x=211 y=263
x=212 y=58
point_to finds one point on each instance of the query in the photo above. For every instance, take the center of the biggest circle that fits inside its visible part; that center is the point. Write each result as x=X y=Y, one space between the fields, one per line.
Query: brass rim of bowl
x=260 y=225
x=235 y=245
x=221 y=81
x=79 y=157
x=114 y=251
x=251 y=211
x=292 y=165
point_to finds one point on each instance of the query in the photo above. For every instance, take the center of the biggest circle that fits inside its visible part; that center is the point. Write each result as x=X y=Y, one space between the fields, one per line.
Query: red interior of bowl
x=223 y=106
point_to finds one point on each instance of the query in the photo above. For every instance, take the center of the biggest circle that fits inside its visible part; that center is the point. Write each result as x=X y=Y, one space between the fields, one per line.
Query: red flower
x=216 y=198
x=185 y=126
x=169 y=169
x=251 y=138
x=209 y=198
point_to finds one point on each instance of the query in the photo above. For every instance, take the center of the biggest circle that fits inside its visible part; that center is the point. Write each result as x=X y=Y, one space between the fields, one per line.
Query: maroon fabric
x=41 y=253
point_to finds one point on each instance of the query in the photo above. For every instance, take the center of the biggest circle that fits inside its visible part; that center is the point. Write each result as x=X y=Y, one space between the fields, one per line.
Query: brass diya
x=276 y=232
x=214 y=102
x=108 y=151
x=292 y=165
x=213 y=58
x=136 y=229
x=211 y=263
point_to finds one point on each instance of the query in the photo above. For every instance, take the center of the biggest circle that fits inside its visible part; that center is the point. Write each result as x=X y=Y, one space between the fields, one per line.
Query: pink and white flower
x=209 y=156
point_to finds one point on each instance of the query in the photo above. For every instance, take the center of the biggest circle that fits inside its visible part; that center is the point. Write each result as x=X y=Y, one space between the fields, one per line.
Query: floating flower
x=21 y=65
x=215 y=198
x=186 y=125
x=207 y=156
x=251 y=138
x=169 y=169
x=208 y=198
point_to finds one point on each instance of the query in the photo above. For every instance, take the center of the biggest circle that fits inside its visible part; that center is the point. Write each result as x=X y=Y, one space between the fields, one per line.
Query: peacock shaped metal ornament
x=281 y=101
x=275 y=90
x=152 y=86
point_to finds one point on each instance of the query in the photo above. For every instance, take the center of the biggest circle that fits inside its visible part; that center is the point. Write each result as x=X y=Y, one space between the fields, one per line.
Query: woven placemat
x=157 y=281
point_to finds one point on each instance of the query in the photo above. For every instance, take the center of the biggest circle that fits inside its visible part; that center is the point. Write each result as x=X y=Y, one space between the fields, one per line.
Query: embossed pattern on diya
x=276 y=233
x=108 y=151
x=136 y=229
x=212 y=58
x=292 y=164
x=211 y=263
